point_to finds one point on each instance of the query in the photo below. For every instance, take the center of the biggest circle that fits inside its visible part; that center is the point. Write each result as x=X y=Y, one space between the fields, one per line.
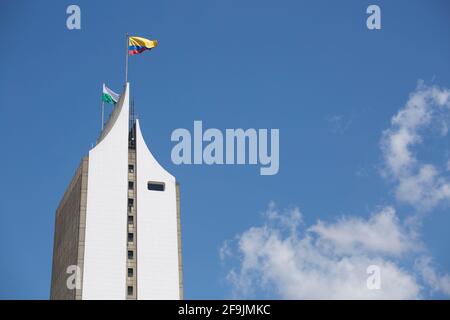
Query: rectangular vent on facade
x=156 y=186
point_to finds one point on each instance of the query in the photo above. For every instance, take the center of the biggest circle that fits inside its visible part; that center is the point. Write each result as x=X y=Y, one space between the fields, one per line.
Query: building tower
x=117 y=227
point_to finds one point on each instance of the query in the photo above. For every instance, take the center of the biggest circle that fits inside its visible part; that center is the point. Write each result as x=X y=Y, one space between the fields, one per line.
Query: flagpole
x=126 y=58
x=103 y=113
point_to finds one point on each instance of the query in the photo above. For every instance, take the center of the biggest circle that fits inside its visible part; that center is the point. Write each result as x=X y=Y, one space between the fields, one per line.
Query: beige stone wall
x=68 y=246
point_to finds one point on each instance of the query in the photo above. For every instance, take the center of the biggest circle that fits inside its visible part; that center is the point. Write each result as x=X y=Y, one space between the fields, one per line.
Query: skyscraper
x=117 y=227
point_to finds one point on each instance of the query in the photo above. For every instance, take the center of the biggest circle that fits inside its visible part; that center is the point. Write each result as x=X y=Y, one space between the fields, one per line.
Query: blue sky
x=310 y=68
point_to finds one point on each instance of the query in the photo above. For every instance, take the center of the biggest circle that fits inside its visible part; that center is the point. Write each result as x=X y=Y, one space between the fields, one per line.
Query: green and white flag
x=109 y=96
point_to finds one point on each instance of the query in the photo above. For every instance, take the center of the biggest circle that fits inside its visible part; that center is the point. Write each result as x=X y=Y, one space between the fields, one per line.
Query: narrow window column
x=131 y=274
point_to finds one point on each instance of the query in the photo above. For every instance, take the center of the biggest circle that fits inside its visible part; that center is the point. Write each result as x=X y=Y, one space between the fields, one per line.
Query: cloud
x=339 y=124
x=380 y=234
x=324 y=261
x=419 y=184
x=440 y=283
x=329 y=260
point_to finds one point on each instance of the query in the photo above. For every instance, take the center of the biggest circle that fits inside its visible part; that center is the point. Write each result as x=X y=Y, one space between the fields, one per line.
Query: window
x=130 y=168
x=130 y=185
x=130 y=254
x=130 y=290
x=130 y=237
x=130 y=272
x=130 y=202
x=156 y=186
x=130 y=219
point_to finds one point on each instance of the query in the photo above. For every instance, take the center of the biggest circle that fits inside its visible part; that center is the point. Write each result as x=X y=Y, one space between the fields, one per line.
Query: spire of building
x=119 y=220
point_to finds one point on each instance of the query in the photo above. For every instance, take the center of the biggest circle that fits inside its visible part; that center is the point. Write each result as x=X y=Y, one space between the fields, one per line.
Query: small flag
x=109 y=96
x=138 y=45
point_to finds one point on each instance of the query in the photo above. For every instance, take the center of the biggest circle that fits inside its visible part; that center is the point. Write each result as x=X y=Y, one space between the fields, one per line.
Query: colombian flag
x=137 y=45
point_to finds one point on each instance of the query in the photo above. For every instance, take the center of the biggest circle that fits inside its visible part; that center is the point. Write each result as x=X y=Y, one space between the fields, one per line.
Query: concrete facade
x=157 y=228
x=131 y=226
x=119 y=220
x=70 y=222
x=104 y=271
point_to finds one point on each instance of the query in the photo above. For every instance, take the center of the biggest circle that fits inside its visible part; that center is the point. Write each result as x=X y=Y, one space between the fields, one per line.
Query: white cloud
x=380 y=234
x=329 y=260
x=419 y=184
x=324 y=261
x=436 y=282
x=425 y=189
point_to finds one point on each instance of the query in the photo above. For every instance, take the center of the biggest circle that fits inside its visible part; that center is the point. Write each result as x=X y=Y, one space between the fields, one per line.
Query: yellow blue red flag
x=138 y=45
